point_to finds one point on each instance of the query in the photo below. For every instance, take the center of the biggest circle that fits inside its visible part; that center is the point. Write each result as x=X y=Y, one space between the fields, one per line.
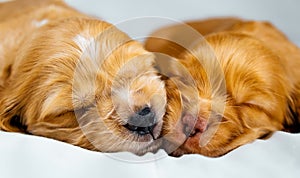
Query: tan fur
x=261 y=72
x=63 y=75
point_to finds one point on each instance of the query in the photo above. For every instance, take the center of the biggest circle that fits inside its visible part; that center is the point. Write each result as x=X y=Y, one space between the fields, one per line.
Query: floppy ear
x=10 y=113
x=13 y=99
x=292 y=122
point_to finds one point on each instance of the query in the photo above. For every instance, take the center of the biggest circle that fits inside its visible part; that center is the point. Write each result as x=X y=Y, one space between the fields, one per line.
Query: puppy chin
x=148 y=143
x=122 y=139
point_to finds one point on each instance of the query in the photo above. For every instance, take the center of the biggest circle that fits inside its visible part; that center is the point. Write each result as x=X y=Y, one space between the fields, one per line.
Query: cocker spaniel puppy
x=73 y=78
x=246 y=84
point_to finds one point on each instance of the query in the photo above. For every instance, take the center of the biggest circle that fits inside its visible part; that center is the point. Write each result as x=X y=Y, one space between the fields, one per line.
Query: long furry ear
x=292 y=121
x=10 y=113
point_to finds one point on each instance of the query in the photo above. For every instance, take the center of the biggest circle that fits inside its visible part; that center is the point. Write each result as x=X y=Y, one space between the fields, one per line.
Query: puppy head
x=86 y=83
x=243 y=96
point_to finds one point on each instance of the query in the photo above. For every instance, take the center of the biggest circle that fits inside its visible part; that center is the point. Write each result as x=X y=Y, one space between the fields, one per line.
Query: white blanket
x=23 y=156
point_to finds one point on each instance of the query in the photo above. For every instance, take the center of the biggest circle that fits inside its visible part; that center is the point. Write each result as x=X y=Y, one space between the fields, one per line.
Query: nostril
x=145 y=111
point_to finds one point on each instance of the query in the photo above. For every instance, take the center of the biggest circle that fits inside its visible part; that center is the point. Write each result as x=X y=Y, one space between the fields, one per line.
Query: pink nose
x=193 y=125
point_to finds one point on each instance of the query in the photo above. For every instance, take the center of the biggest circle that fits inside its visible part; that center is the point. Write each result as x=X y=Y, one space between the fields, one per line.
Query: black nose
x=145 y=111
x=143 y=122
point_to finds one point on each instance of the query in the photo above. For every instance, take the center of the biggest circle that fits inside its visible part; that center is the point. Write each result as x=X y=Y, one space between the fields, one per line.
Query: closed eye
x=81 y=111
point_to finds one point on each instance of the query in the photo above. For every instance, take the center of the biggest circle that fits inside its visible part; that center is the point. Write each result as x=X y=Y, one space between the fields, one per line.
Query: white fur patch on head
x=99 y=47
x=86 y=70
x=87 y=45
x=81 y=41
x=93 y=51
x=40 y=23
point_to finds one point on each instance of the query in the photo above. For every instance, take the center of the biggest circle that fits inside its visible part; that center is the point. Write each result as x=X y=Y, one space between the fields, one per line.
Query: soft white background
x=35 y=157
x=285 y=14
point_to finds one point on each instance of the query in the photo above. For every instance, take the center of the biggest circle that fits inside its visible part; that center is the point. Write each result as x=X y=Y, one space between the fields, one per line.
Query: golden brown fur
x=70 y=77
x=257 y=65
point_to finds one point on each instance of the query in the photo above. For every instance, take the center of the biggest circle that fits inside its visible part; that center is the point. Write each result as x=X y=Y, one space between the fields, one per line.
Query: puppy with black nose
x=70 y=77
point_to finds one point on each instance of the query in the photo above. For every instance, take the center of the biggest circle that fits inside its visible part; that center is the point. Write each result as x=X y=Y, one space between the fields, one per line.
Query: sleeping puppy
x=247 y=83
x=70 y=77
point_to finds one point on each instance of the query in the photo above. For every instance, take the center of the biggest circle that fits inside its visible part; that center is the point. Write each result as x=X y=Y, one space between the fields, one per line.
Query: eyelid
x=81 y=111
